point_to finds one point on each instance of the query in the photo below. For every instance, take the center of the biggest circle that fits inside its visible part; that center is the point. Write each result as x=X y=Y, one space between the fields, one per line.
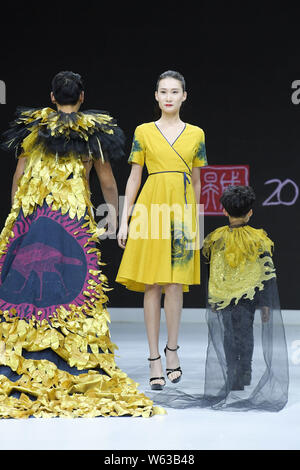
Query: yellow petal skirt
x=77 y=334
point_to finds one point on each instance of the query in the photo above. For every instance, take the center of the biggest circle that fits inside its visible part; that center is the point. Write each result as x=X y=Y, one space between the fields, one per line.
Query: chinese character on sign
x=214 y=179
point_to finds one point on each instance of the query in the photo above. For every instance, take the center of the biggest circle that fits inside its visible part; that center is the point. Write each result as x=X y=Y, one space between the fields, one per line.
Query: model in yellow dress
x=162 y=248
x=162 y=245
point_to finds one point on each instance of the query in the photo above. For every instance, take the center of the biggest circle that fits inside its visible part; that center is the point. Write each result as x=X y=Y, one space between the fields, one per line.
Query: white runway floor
x=192 y=429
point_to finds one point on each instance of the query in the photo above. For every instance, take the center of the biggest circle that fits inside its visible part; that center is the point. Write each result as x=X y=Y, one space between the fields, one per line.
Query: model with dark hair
x=162 y=246
x=237 y=202
x=242 y=280
x=67 y=88
x=57 y=357
x=246 y=364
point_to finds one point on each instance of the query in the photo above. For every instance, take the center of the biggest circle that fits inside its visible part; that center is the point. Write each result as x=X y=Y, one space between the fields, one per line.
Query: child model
x=242 y=279
x=246 y=362
x=162 y=250
x=57 y=358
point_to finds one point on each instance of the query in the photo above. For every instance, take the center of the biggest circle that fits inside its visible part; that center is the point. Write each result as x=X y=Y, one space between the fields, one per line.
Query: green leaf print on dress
x=201 y=153
x=182 y=244
x=136 y=147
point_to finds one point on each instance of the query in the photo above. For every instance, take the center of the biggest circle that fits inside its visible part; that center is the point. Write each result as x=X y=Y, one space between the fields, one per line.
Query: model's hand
x=112 y=225
x=108 y=225
x=122 y=236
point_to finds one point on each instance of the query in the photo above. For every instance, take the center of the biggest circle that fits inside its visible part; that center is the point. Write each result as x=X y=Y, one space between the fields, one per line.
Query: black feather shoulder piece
x=89 y=134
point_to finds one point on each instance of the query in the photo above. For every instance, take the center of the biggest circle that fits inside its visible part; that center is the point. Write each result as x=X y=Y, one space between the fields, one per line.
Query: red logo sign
x=214 y=179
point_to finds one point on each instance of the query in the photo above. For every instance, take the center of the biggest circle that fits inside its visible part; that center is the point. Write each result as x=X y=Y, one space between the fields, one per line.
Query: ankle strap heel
x=170 y=371
x=154 y=359
x=156 y=386
x=169 y=349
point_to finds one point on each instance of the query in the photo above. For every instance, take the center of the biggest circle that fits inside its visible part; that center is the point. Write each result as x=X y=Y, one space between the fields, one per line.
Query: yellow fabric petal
x=240 y=261
x=78 y=334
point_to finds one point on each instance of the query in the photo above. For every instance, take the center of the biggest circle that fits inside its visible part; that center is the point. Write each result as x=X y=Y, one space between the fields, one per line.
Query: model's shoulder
x=260 y=233
x=216 y=234
x=144 y=127
x=256 y=231
x=196 y=129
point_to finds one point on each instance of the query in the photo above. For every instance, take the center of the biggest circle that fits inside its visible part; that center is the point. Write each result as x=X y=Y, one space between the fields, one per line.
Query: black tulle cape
x=246 y=364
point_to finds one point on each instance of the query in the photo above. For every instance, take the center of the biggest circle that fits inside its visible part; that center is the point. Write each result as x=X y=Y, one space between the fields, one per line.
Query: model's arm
x=132 y=187
x=18 y=173
x=110 y=192
x=196 y=183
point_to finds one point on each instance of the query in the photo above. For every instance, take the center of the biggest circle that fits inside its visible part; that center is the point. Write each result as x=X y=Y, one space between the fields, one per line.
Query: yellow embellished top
x=240 y=261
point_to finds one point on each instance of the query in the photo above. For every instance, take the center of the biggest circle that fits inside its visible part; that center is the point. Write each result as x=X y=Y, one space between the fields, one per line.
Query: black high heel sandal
x=156 y=386
x=169 y=371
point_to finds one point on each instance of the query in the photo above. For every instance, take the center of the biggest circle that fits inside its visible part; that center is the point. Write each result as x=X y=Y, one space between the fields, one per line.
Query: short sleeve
x=137 y=154
x=200 y=155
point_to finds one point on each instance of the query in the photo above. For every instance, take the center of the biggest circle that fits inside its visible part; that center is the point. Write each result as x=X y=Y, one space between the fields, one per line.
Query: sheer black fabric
x=246 y=362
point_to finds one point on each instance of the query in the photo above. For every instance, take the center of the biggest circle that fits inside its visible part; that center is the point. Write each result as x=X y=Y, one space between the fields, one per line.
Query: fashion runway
x=190 y=429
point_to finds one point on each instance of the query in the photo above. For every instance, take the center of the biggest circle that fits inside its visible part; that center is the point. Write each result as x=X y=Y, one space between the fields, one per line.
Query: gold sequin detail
x=78 y=334
x=240 y=260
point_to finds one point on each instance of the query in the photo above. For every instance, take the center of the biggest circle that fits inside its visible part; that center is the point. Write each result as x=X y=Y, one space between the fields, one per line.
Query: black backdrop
x=240 y=67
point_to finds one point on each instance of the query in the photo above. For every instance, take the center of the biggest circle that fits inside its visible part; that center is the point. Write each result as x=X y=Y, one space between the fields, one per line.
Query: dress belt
x=185 y=178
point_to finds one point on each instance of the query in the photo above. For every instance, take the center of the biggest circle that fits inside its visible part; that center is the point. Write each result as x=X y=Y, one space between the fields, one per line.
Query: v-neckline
x=171 y=144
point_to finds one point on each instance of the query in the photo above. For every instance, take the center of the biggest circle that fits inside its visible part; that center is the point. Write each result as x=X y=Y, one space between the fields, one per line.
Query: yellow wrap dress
x=163 y=238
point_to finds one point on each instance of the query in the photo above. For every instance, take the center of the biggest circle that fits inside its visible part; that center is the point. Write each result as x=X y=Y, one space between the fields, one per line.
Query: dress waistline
x=185 y=178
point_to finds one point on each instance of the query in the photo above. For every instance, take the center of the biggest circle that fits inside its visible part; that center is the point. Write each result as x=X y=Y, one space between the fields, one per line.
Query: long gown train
x=246 y=366
x=56 y=354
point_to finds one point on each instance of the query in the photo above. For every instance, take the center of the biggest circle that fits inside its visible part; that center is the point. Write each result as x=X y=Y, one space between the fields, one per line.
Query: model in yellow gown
x=56 y=353
x=163 y=240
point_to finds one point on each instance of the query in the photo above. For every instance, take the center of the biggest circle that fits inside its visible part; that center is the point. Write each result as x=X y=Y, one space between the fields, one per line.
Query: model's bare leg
x=173 y=308
x=152 y=303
